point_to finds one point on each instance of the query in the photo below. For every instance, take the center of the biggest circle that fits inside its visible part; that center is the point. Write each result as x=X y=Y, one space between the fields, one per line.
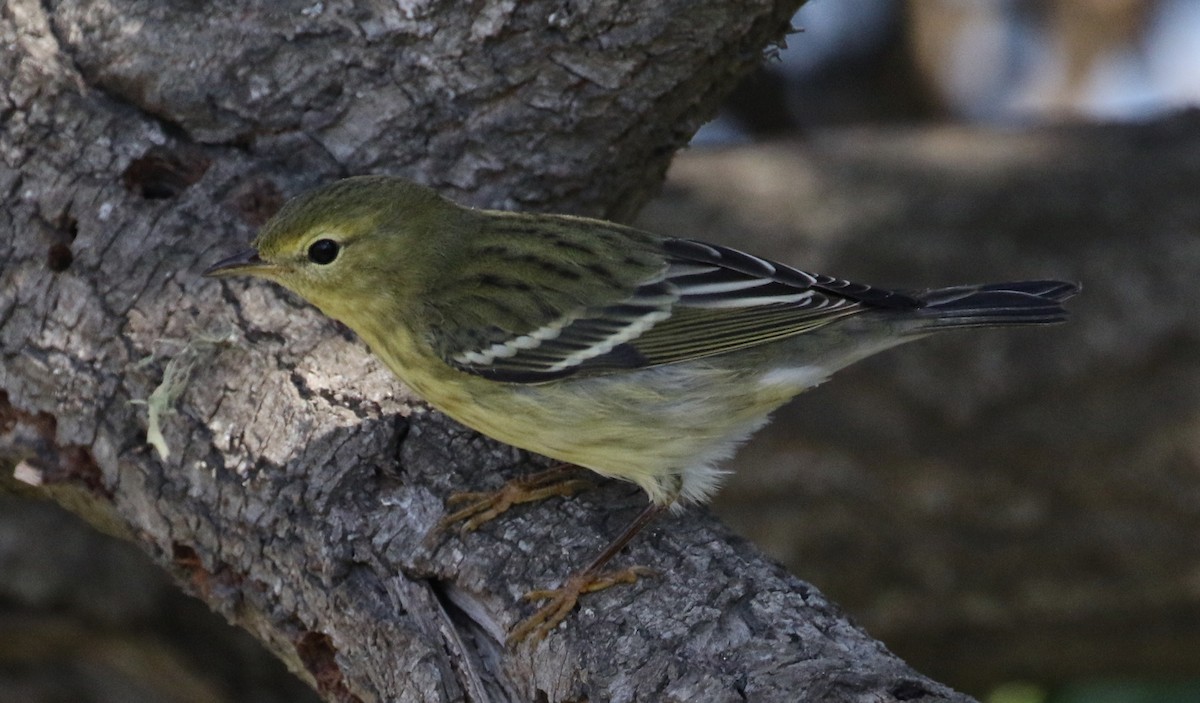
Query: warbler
x=641 y=357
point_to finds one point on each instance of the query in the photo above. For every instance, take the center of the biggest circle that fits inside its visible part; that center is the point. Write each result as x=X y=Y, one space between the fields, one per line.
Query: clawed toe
x=562 y=601
x=480 y=507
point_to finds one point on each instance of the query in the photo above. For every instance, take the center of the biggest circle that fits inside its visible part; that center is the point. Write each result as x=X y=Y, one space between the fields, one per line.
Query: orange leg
x=484 y=506
x=562 y=600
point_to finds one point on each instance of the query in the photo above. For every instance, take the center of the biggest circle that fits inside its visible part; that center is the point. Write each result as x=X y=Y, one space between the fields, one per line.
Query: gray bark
x=141 y=141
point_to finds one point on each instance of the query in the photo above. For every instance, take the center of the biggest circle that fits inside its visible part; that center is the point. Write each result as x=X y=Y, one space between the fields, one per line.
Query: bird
x=639 y=356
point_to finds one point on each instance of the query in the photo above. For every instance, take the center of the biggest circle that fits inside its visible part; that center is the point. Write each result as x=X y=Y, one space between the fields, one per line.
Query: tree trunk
x=275 y=468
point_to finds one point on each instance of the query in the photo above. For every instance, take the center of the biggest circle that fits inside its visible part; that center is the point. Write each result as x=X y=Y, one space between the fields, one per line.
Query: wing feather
x=668 y=300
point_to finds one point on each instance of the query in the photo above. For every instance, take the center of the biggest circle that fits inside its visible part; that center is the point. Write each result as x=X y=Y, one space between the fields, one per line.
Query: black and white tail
x=994 y=304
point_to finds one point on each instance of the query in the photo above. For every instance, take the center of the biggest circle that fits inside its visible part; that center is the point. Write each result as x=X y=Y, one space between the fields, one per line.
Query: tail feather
x=995 y=304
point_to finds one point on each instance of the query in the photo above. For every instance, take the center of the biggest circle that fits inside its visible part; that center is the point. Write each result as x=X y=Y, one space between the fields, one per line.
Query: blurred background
x=995 y=62
x=1014 y=512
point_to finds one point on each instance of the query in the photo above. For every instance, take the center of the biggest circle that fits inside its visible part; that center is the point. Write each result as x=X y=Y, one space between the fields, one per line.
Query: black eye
x=323 y=251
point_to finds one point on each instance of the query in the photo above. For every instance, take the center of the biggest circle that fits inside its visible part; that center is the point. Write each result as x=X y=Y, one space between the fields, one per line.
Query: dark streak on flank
x=503 y=310
x=568 y=245
x=604 y=273
x=560 y=271
x=548 y=266
x=495 y=281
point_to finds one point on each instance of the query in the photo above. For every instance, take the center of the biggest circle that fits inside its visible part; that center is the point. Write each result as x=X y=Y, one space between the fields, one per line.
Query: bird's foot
x=483 y=506
x=562 y=600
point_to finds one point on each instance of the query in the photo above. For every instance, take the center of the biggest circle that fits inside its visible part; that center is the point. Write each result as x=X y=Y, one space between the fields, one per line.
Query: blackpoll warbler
x=642 y=357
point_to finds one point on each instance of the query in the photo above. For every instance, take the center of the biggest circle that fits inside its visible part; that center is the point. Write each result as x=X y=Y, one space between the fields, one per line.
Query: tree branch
x=291 y=483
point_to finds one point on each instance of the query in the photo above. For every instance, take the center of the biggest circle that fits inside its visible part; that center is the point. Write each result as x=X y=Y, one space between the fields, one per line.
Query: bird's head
x=353 y=245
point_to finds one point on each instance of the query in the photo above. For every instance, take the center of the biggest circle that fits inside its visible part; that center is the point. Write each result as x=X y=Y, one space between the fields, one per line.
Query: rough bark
x=86 y=617
x=294 y=481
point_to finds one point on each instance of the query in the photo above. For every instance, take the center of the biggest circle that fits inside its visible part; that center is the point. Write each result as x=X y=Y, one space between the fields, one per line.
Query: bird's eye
x=323 y=251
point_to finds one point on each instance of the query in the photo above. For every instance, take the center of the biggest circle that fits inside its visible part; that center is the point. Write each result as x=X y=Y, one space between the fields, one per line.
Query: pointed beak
x=245 y=263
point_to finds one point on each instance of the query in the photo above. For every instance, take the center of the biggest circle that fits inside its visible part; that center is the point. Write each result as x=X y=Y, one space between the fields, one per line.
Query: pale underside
x=666 y=428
